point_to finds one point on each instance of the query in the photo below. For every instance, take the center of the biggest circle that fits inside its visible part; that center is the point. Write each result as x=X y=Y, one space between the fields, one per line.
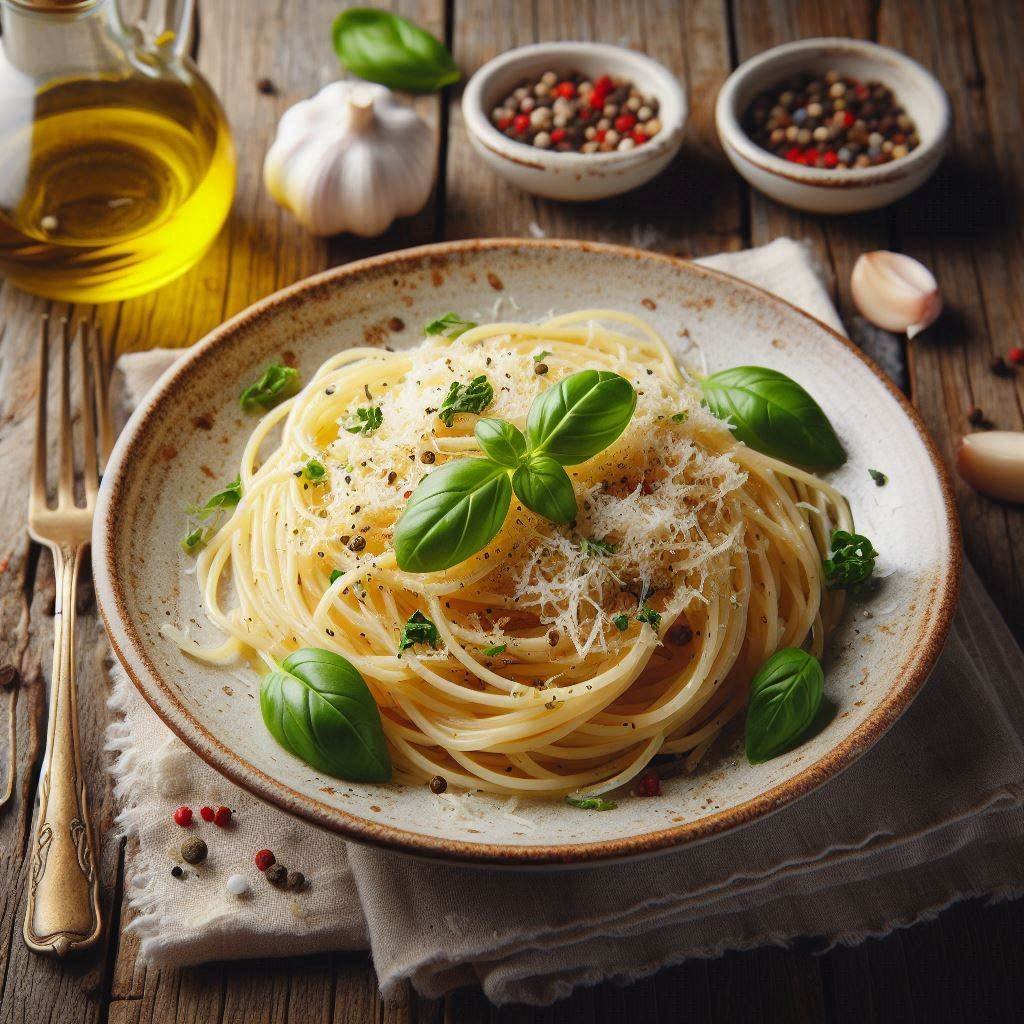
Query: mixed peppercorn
x=832 y=121
x=573 y=114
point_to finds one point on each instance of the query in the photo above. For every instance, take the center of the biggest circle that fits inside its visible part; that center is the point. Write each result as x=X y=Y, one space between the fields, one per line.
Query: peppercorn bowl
x=574 y=176
x=834 y=189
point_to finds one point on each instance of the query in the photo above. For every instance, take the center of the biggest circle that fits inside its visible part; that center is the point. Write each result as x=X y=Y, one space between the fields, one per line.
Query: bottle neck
x=48 y=38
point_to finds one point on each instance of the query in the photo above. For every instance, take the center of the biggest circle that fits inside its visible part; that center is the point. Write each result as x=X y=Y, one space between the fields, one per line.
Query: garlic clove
x=895 y=292
x=993 y=463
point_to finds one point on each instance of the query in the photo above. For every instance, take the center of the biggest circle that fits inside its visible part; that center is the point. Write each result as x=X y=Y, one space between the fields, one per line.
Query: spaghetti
x=545 y=681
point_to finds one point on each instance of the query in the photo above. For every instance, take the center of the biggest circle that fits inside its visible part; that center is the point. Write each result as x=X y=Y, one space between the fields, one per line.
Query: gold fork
x=63 y=911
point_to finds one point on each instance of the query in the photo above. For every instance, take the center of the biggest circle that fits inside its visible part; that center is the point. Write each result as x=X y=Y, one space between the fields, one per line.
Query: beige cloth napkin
x=932 y=814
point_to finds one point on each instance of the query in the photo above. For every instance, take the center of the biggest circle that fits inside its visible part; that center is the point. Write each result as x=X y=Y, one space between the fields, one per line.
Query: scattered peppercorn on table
x=961 y=373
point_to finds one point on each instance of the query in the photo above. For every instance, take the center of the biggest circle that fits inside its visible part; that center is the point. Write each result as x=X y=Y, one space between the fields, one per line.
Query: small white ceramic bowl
x=834 y=191
x=573 y=176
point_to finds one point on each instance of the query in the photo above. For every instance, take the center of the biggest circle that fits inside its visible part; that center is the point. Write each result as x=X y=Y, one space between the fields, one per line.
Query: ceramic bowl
x=573 y=176
x=816 y=189
x=189 y=432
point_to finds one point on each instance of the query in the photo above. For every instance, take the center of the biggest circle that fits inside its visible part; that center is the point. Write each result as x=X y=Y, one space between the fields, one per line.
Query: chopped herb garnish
x=191 y=542
x=474 y=397
x=852 y=561
x=650 y=616
x=336 y=574
x=541 y=356
x=621 y=622
x=591 y=803
x=596 y=548
x=368 y=419
x=879 y=477
x=314 y=470
x=277 y=382
x=681 y=417
x=495 y=649
x=209 y=514
x=418 y=630
x=451 y=325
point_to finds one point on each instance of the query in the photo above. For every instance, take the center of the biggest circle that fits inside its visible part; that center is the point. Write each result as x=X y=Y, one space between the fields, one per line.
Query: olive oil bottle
x=114 y=182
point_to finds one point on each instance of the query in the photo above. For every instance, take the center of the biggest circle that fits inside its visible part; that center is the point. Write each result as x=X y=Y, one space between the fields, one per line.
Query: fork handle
x=63 y=911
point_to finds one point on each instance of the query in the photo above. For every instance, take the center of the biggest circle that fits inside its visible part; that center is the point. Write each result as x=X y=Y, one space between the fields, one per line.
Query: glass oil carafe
x=117 y=168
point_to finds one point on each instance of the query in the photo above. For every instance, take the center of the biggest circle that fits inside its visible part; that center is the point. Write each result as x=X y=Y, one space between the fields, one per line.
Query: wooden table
x=966 y=225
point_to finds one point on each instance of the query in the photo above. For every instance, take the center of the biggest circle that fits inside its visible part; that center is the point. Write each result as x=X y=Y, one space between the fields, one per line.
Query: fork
x=63 y=911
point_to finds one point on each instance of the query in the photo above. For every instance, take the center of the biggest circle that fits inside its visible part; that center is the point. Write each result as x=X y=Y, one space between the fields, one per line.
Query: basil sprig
x=319 y=708
x=773 y=414
x=458 y=509
x=275 y=383
x=852 y=561
x=385 y=48
x=785 y=696
x=451 y=325
x=206 y=517
x=472 y=397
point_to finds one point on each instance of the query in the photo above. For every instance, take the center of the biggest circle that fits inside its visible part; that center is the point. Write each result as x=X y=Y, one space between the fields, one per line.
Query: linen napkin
x=930 y=815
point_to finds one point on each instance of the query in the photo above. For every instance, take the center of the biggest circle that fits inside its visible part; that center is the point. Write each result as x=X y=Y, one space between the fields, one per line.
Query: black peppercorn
x=1000 y=367
x=266 y=87
x=428 y=457
x=193 y=850
x=177 y=871
x=438 y=784
x=296 y=880
x=277 y=874
x=357 y=543
x=540 y=369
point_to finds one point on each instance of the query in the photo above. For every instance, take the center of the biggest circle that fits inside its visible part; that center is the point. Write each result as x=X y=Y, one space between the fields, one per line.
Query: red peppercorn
x=183 y=816
x=848 y=118
x=567 y=90
x=206 y=813
x=222 y=817
x=504 y=122
x=830 y=159
x=600 y=135
x=558 y=135
x=521 y=122
x=649 y=784
x=263 y=859
x=1017 y=356
x=624 y=122
x=604 y=84
x=793 y=155
x=638 y=136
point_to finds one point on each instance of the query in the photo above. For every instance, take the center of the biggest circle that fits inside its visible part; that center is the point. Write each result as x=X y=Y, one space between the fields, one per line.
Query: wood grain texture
x=966 y=965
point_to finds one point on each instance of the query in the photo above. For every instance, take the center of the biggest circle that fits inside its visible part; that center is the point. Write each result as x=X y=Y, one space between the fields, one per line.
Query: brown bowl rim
x=131 y=651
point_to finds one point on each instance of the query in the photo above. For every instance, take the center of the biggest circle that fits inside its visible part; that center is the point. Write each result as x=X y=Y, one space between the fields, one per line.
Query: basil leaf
x=879 y=477
x=785 y=695
x=418 y=630
x=336 y=574
x=317 y=706
x=194 y=540
x=545 y=488
x=277 y=382
x=472 y=397
x=228 y=498
x=502 y=441
x=681 y=417
x=773 y=414
x=852 y=561
x=451 y=325
x=580 y=416
x=621 y=622
x=314 y=470
x=494 y=650
x=453 y=513
x=385 y=48
x=591 y=803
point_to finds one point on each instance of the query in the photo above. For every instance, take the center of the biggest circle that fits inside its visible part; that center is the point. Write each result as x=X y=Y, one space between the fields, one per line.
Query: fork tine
x=101 y=386
x=90 y=471
x=39 y=461
x=66 y=480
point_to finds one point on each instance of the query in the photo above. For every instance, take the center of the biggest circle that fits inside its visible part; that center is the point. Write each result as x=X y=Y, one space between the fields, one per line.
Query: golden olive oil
x=114 y=188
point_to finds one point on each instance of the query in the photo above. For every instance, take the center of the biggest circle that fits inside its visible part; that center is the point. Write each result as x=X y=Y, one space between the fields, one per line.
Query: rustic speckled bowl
x=190 y=429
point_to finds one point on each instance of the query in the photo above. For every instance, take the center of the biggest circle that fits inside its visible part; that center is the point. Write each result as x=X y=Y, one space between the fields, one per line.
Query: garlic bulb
x=993 y=463
x=895 y=292
x=351 y=159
